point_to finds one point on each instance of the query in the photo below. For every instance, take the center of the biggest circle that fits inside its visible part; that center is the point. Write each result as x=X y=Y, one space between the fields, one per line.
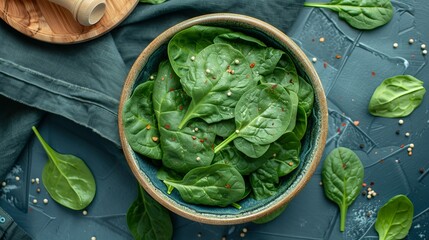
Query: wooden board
x=46 y=21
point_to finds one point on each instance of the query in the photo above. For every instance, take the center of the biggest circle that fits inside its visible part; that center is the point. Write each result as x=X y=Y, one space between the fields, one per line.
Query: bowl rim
x=281 y=38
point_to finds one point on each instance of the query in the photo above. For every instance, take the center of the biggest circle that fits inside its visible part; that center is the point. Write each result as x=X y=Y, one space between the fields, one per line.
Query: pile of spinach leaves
x=225 y=115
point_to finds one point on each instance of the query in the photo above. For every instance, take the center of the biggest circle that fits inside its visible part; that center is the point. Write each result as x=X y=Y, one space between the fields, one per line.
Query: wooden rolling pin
x=85 y=12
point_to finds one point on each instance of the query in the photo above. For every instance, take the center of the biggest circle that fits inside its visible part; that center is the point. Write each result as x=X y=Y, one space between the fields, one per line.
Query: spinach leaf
x=223 y=128
x=301 y=123
x=148 y=220
x=164 y=173
x=140 y=125
x=262 y=59
x=364 y=15
x=214 y=185
x=231 y=156
x=250 y=149
x=342 y=177
x=305 y=96
x=187 y=43
x=284 y=78
x=394 y=218
x=397 y=96
x=262 y=115
x=285 y=153
x=287 y=64
x=294 y=111
x=166 y=81
x=270 y=217
x=67 y=178
x=187 y=148
x=281 y=158
x=265 y=181
x=215 y=83
x=183 y=149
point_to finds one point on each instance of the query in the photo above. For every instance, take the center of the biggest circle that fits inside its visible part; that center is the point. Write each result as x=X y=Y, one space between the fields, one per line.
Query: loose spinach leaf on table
x=214 y=185
x=140 y=125
x=188 y=43
x=342 y=177
x=262 y=115
x=364 y=15
x=148 y=220
x=397 y=96
x=262 y=59
x=394 y=218
x=215 y=83
x=67 y=178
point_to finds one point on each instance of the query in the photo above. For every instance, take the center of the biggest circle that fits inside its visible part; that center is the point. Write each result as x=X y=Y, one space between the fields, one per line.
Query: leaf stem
x=188 y=116
x=343 y=212
x=225 y=142
x=236 y=205
x=45 y=146
x=313 y=4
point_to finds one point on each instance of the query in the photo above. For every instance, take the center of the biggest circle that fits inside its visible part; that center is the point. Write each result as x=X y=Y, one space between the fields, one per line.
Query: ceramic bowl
x=312 y=145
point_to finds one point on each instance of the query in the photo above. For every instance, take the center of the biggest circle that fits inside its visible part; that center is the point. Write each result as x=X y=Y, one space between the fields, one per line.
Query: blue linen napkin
x=83 y=82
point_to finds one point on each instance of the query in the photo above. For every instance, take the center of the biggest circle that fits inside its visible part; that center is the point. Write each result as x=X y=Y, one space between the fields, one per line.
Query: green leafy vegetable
x=305 y=96
x=223 y=128
x=244 y=165
x=140 y=125
x=262 y=115
x=364 y=15
x=168 y=174
x=342 y=176
x=250 y=149
x=301 y=123
x=214 y=185
x=394 y=218
x=148 y=220
x=281 y=158
x=397 y=96
x=188 y=43
x=262 y=58
x=67 y=178
x=219 y=86
x=215 y=83
x=165 y=82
